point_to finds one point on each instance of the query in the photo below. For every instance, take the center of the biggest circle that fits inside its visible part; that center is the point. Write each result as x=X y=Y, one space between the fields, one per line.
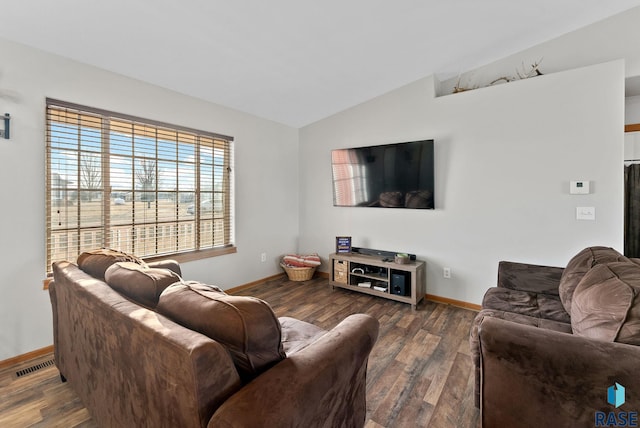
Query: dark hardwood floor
x=419 y=374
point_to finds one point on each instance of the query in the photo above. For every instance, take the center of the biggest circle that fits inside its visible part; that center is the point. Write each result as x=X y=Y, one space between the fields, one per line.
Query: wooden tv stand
x=347 y=270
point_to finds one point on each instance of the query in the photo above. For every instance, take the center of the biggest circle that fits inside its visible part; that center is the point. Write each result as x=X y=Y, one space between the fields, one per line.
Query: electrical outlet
x=263 y=257
x=447 y=272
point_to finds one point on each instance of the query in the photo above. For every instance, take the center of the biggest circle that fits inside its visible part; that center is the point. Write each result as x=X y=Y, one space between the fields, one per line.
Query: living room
x=505 y=156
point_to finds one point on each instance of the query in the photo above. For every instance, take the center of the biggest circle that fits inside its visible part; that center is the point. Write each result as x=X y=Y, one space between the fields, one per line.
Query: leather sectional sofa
x=551 y=345
x=142 y=347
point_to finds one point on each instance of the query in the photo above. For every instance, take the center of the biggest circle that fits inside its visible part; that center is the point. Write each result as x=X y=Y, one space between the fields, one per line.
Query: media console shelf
x=371 y=275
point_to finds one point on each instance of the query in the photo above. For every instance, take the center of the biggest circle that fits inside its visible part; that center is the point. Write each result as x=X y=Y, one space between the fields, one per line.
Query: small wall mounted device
x=579 y=187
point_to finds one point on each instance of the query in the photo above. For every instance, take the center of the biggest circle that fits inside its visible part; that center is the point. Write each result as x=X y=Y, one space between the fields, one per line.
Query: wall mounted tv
x=399 y=175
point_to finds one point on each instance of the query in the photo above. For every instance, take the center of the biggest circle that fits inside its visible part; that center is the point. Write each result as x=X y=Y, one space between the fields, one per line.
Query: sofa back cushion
x=606 y=303
x=579 y=265
x=246 y=326
x=96 y=262
x=142 y=284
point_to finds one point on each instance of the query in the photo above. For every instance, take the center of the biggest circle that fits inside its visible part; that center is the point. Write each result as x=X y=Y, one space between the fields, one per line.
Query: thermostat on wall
x=579 y=187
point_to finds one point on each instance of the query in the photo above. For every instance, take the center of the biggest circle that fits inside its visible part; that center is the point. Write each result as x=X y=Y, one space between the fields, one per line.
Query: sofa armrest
x=528 y=277
x=167 y=264
x=322 y=385
x=533 y=377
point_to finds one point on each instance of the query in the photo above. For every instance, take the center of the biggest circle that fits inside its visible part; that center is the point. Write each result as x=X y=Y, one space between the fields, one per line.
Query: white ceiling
x=292 y=61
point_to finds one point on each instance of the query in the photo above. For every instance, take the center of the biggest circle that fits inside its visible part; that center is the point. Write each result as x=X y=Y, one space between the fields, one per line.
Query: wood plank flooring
x=419 y=374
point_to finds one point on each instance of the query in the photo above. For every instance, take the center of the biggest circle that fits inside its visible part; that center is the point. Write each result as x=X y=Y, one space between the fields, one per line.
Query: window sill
x=194 y=255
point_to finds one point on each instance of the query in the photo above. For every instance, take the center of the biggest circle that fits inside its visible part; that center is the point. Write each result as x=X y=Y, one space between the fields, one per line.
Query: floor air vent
x=35 y=368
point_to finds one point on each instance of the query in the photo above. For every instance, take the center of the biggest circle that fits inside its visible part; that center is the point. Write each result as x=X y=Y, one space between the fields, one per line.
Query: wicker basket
x=298 y=273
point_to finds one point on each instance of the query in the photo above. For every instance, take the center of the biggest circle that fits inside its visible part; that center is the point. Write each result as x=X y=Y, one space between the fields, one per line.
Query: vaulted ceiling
x=292 y=61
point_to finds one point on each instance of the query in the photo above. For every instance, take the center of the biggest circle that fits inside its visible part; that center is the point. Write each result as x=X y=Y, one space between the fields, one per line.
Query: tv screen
x=399 y=175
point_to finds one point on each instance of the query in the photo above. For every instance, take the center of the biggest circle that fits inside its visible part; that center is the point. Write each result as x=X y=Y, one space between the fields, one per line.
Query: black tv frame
x=403 y=175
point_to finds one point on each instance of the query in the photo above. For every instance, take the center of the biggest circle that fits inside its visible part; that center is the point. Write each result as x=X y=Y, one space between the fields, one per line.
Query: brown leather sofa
x=135 y=342
x=550 y=342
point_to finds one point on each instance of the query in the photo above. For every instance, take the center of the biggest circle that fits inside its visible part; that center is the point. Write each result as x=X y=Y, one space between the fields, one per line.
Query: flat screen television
x=399 y=175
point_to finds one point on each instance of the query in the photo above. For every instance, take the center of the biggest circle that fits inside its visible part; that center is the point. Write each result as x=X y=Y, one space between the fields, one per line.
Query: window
x=135 y=185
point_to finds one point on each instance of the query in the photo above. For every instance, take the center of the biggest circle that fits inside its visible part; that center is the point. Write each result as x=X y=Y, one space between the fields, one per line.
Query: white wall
x=632 y=110
x=504 y=159
x=265 y=166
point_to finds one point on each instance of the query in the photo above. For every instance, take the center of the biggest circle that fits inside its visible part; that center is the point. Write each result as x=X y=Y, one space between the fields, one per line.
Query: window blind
x=135 y=185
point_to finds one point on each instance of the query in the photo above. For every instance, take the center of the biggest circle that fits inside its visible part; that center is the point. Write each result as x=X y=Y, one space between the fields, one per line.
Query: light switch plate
x=585 y=213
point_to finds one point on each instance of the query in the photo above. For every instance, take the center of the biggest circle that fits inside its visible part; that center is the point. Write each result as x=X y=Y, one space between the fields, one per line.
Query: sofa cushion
x=167 y=264
x=391 y=199
x=579 y=265
x=537 y=305
x=246 y=326
x=297 y=335
x=96 y=262
x=419 y=199
x=142 y=284
x=606 y=303
x=513 y=317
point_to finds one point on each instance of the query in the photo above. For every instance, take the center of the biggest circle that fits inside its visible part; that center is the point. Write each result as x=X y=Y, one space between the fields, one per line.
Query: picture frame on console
x=343 y=244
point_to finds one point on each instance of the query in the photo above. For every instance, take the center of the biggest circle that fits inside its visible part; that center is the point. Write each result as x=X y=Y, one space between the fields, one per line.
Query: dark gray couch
x=136 y=347
x=549 y=341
